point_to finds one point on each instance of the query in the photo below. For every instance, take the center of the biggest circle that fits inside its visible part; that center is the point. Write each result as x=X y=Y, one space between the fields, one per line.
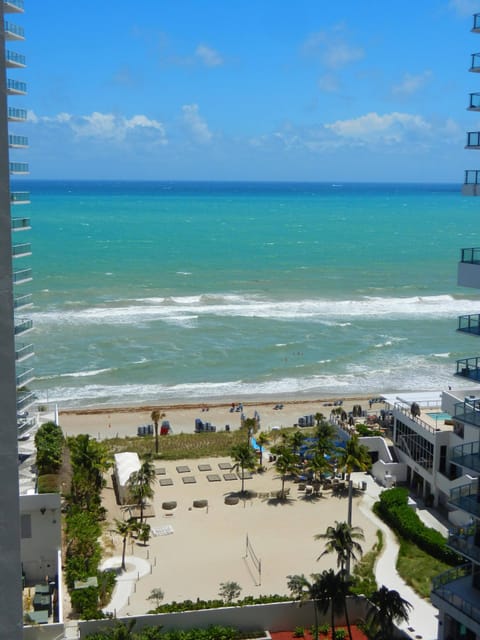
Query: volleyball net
x=251 y=556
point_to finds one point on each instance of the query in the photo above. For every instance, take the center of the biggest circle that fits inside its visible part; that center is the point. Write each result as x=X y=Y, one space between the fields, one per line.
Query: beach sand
x=104 y=423
x=199 y=548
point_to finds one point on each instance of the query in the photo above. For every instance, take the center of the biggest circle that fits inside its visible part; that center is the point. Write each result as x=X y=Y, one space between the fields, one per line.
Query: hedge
x=393 y=509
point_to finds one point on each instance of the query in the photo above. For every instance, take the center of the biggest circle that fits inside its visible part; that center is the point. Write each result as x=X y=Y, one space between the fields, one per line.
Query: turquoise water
x=439 y=415
x=156 y=292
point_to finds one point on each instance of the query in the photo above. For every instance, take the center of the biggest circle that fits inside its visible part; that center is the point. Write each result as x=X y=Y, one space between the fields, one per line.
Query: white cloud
x=195 y=123
x=208 y=56
x=391 y=128
x=332 y=48
x=411 y=83
x=328 y=83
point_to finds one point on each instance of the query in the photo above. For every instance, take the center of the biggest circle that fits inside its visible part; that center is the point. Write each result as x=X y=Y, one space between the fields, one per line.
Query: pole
x=349 y=516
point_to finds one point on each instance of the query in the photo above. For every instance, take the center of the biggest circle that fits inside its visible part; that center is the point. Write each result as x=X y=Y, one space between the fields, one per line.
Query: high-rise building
x=12 y=326
x=471 y=185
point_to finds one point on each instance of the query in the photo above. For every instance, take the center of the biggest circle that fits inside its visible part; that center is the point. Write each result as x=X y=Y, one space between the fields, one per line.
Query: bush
x=298 y=632
x=48 y=483
x=85 y=602
x=393 y=509
x=340 y=634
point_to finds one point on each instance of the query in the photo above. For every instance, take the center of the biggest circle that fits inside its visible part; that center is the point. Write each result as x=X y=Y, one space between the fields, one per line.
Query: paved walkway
x=136 y=568
x=423 y=618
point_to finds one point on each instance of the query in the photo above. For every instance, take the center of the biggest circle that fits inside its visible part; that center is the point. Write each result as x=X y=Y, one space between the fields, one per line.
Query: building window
x=26 y=525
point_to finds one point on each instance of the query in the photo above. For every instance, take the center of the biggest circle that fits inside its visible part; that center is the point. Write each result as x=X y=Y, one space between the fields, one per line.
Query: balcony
x=16 y=115
x=467 y=455
x=474 y=104
x=25 y=400
x=21 y=250
x=13 y=6
x=475 y=63
x=469 y=324
x=20 y=302
x=14 y=60
x=473 y=140
x=22 y=326
x=19 y=197
x=462 y=540
x=13 y=31
x=454 y=588
x=20 y=224
x=21 y=276
x=468 y=272
x=24 y=376
x=17 y=142
x=476 y=23
x=18 y=168
x=468 y=411
x=23 y=351
x=471 y=184
x=469 y=368
x=16 y=88
x=467 y=498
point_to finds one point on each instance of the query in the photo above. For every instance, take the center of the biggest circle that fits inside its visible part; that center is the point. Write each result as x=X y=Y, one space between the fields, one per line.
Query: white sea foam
x=320 y=310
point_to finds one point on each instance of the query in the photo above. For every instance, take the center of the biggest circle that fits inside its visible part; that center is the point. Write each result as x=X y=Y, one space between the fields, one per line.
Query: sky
x=303 y=90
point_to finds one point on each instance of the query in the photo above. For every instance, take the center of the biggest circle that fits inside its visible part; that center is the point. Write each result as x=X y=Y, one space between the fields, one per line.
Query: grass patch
x=49 y=483
x=418 y=568
x=363 y=571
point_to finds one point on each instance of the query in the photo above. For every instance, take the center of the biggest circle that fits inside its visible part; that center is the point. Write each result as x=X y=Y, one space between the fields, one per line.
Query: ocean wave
x=321 y=310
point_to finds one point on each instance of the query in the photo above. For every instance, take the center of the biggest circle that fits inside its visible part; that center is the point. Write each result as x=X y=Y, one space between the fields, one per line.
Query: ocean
x=171 y=292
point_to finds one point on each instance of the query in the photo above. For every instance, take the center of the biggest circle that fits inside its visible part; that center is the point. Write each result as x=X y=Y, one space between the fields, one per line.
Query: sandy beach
x=104 y=423
x=194 y=549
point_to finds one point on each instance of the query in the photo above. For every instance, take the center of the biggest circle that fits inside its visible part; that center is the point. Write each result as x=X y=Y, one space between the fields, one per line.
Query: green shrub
x=340 y=634
x=298 y=632
x=85 y=603
x=324 y=628
x=49 y=442
x=393 y=509
x=48 y=483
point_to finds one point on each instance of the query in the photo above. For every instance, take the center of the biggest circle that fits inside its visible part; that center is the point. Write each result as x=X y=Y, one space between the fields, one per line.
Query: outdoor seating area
x=38 y=603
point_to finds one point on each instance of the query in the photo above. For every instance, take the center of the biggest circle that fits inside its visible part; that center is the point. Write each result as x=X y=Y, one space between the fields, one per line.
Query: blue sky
x=248 y=89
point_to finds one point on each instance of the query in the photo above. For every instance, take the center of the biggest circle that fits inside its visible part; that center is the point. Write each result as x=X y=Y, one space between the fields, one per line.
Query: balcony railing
x=20 y=224
x=473 y=139
x=25 y=400
x=472 y=177
x=14 y=31
x=16 y=87
x=467 y=498
x=24 y=376
x=475 y=64
x=23 y=275
x=441 y=588
x=17 y=141
x=22 y=301
x=474 y=103
x=469 y=324
x=20 y=197
x=10 y=5
x=467 y=455
x=18 y=167
x=14 y=59
x=469 y=368
x=470 y=255
x=419 y=421
x=468 y=411
x=476 y=22
x=23 y=351
x=462 y=539
x=22 y=326
x=21 y=249
x=18 y=115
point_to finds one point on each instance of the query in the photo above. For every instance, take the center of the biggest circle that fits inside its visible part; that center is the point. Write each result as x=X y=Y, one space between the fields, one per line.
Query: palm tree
x=353 y=456
x=387 y=607
x=324 y=437
x=156 y=416
x=140 y=485
x=296 y=440
x=318 y=465
x=244 y=458
x=285 y=465
x=342 y=540
x=124 y=528
x=329 y=593
x=304 y=591
x=262 y=440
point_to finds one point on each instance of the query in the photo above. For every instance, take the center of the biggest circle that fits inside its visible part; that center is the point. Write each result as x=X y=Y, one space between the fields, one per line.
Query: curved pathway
x=423 y=618
x=136 y=568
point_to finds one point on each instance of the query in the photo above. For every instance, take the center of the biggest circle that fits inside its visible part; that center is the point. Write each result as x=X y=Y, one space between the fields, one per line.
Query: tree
x=244 y=458
x=329 y=593
x=140 y=485
x=156 y=416
x=353 y=456
x=262 y=440
x=304 y=591
x=124 y=528
x=387 y=607
x=156 y=595
x=342 y=540
x=143 y=533
x=318 y=465
x=296 y=440
x=285 y=464
x=229 y=591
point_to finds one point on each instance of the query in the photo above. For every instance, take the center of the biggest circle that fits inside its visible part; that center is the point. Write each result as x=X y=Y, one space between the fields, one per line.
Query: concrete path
x=125 y=585
x=423 y=619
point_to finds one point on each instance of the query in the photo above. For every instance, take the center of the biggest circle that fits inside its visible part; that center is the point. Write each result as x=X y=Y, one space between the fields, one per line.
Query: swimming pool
x=439 y=415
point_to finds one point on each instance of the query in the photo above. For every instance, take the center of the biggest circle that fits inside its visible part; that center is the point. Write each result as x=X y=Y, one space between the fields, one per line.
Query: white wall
x=39 y=552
